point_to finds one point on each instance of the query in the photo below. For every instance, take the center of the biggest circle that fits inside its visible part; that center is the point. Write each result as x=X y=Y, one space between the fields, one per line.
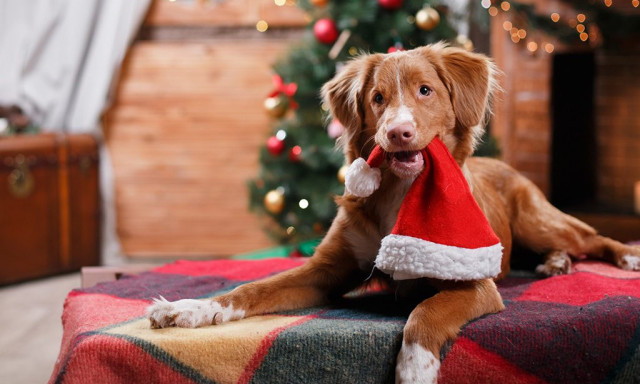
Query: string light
x=519 y=34
x=304 y=203
x=548 y=47
x=262 y=26
x=280 y=3
x=608 y=3
x=635 y=3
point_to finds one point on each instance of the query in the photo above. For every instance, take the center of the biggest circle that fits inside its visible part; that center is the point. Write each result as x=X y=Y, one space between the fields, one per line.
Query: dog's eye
x=425 y=91
x=378 y=99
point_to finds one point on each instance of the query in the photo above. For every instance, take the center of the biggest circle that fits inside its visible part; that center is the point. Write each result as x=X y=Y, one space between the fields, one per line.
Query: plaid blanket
x=579 y=328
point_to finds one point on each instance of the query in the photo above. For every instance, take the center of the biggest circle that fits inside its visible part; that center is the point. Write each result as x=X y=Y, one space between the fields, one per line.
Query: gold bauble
x=427 y=18
x=464 y=42
x=274 y=201
x=342 y=172
x=276 y=106
x=319 y=3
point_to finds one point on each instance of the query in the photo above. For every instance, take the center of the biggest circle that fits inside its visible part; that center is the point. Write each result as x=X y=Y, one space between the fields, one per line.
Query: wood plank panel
x=235 y=13
x=184 y=134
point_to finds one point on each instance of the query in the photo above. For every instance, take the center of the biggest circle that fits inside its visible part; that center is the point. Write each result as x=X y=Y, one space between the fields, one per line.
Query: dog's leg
x=543 y=228
x=624 y=256
x=331 y=271
x=438 y=319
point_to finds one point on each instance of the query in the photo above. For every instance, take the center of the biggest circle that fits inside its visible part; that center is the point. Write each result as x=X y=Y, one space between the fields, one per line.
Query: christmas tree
x=301 y=171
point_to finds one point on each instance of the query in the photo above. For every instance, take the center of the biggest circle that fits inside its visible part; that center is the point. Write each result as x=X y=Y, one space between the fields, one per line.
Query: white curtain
x=58 y=61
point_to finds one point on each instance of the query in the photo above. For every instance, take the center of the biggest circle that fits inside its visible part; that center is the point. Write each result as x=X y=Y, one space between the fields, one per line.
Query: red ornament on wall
x=325 y=31
x=275 y=146
x=390 y=4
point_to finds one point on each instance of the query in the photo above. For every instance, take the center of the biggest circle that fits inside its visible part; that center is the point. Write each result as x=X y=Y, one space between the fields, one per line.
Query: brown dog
x=401 y=101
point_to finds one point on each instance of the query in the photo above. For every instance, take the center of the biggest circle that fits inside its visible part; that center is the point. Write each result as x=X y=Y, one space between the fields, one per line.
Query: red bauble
x=395 y=49
x=390 y=4
x=325 y=31
x=294 y=154
x=275 y=146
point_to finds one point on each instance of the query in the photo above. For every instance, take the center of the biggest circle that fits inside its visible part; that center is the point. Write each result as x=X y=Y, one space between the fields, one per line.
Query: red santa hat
x=440 y=231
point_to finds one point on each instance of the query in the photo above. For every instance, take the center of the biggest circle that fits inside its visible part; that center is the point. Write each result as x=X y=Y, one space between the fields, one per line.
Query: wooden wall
x=521 y=122
x=617 y=99
x=186 y=125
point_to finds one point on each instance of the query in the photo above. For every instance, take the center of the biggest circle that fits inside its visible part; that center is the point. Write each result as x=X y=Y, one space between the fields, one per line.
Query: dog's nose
x=401 y=134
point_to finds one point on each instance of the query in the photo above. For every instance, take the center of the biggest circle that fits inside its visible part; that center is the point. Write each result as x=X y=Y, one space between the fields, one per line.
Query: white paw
x=189 y=313
x=416 y=365
x=630 y=263
x=557 y=263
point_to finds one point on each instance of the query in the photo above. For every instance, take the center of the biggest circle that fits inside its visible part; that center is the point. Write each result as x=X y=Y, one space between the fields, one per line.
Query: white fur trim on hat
x=405 y=257
x=361 y=180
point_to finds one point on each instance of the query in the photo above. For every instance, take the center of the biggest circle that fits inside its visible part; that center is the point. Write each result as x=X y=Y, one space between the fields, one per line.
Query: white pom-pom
x=361 y=180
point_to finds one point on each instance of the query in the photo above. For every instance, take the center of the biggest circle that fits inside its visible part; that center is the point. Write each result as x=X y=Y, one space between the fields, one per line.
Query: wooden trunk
x=49 y=205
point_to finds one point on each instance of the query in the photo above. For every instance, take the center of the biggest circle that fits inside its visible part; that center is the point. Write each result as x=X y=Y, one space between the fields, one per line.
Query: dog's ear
x=471 y=82
x=344 y=94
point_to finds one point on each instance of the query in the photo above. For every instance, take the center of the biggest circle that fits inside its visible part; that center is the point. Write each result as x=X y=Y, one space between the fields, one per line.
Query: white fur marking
x=416 y=365
x=403 y=115
x=557 y=264
x=630 y=263
x=189 y=313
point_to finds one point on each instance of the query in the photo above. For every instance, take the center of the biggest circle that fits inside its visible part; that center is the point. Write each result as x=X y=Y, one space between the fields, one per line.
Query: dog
x=402 y=101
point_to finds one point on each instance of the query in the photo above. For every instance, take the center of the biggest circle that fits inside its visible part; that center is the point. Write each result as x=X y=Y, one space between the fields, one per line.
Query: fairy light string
x=579 y=22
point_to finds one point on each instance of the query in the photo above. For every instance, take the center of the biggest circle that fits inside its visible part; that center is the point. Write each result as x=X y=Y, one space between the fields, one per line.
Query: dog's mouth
x=406 y=163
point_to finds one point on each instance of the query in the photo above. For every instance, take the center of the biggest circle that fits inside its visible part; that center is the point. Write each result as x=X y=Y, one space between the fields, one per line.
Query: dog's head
x=403 y=100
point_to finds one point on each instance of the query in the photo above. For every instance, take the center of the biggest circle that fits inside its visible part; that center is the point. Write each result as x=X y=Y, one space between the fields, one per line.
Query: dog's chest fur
x=385 y=204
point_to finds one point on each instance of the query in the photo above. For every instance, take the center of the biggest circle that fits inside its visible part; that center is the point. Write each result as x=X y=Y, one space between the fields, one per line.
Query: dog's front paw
x=189 y=313
x=416 y=365
x=630 y=263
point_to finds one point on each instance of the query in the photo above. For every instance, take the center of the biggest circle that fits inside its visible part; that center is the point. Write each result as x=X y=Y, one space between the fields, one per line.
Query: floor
x=32 y=331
